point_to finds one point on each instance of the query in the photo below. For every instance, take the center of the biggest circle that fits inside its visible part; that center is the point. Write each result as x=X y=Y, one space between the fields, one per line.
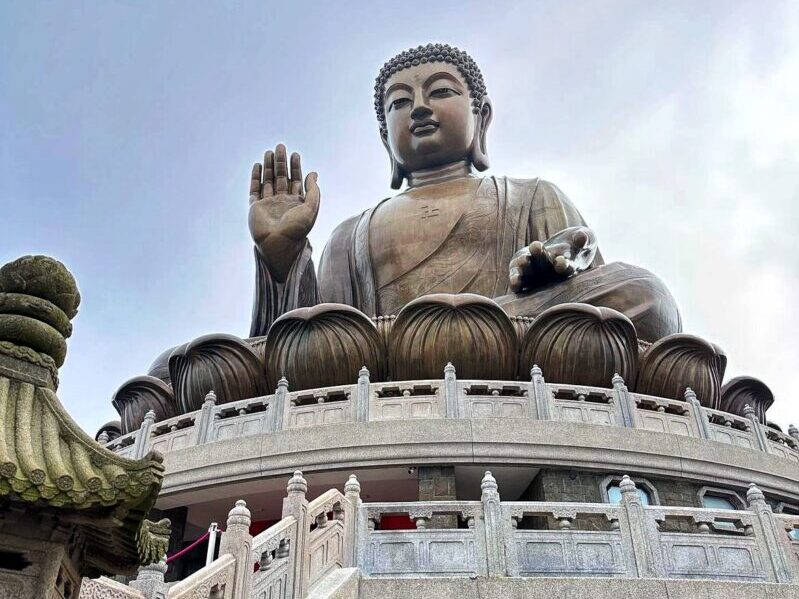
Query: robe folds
x=472 y=257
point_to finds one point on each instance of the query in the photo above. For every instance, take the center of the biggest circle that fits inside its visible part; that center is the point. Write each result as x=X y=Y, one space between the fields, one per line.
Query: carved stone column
x=494 y=526
x=237 y=541
x=641 y=532
x=150 y=581
x=767 y=534
x=295 y=504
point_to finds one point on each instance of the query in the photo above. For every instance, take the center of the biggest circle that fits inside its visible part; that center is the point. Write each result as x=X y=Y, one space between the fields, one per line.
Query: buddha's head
x=433 y=110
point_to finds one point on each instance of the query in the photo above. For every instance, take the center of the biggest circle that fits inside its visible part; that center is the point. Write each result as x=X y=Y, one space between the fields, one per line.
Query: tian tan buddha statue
x=519 y=241
x=489 y=274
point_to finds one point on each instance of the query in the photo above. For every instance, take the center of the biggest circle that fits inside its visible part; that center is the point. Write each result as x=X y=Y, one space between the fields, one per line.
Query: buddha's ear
x=397 y=175
x=479 y=145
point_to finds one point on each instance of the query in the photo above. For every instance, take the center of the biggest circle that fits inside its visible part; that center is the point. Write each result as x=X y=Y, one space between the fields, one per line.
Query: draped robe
x=473 y=256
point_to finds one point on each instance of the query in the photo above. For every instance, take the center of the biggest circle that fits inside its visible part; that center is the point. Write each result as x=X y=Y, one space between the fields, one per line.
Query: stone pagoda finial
x=239 y=515
x=297 y=484
x=754 y=495
x=627 y=485
x=489 y=483
x=352 y=485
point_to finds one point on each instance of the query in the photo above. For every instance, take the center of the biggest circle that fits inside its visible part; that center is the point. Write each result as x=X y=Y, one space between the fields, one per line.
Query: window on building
x=721 y=499
x=784 y=508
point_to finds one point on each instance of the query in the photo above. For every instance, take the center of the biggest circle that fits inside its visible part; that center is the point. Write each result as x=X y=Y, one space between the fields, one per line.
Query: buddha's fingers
x=563 y=266
x=296 y=175
x=536 y=249
x=312 y=193
x=520 y=262
x=255 y=183
x=515 y=280
x=281 y=170
x=269 y=174
x=579 y=239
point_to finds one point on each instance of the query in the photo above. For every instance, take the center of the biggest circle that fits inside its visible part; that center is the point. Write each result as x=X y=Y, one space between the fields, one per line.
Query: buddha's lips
x=424 y=128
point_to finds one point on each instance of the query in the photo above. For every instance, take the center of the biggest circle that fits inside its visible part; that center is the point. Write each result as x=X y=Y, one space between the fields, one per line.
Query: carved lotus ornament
x=471 y=331
x=678 y=361
x=223 y=363
x=138 y=396
x=746 y=390
x=581 y=344
x=320 y=346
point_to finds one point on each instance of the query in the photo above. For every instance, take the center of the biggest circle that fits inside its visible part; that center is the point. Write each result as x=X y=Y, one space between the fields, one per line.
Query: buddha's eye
x=398 y=103
x=443 y=92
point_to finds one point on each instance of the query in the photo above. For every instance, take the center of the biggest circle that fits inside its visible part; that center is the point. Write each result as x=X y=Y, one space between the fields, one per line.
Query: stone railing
x=452 y=398
x=485 y=538
x=628 y=540
x=285 y=561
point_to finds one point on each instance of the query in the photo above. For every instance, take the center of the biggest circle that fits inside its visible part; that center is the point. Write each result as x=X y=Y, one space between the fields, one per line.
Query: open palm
x=282 y=209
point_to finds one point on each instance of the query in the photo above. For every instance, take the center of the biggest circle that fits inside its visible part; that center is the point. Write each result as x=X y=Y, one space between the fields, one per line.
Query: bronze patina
x=519 y=241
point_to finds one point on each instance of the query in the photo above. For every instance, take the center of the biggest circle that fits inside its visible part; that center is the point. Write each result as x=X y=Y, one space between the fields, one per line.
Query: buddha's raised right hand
x=282 y=210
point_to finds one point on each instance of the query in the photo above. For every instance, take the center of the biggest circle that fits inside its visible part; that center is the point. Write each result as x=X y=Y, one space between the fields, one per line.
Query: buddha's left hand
x=559 y=257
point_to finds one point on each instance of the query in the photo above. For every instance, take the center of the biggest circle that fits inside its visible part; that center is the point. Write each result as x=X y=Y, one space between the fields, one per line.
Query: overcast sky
x=128 y=130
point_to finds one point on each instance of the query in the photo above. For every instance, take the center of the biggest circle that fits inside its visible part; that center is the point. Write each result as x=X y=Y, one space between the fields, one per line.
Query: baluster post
x=626 y=405
x=756 y=429
x=361 y=404
x=700 y=417
x=451 y=392
x=352 y=491
x=277 y=410
x=793 y=432
x=767 y=535
x=237 y=541
x=494 y=526
x=142 y=443
x=641 y=532
x=541 y=393
x=204 y=423
x=295 y=504
x=150 y=580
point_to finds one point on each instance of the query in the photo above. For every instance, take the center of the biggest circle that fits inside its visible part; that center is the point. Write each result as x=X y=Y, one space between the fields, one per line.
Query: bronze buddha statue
x=520 y=242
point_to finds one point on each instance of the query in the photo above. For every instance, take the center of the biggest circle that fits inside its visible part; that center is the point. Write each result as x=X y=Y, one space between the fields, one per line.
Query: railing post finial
x=297 y=484
x=352 y=486
x=536 y=371
x=617 y=380
x=283 y=383
x=793 y=432
x=754 y=494
x=627 y=485
x=210 y=396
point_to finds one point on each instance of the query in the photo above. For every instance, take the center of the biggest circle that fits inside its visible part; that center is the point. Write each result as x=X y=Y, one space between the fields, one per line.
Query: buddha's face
x=429 y=116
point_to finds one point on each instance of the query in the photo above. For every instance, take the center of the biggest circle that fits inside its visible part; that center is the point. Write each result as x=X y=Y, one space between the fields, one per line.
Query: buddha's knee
x=639 y=295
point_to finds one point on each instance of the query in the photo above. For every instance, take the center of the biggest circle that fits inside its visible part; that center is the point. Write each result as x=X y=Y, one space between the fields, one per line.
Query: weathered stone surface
x=675 y=362
x=222 y=363
x=138 y=396
x=42 y=277
x=470 y=331
x=581 y=344
x=746 y=390
x=323 y=346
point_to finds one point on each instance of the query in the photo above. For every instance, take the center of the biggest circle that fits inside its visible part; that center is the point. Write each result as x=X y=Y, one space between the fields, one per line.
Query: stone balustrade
x=494 y=539
x=452 y=398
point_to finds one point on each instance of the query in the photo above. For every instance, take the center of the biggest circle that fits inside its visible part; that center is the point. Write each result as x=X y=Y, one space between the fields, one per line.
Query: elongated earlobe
x=479 y=145
x=397 y=174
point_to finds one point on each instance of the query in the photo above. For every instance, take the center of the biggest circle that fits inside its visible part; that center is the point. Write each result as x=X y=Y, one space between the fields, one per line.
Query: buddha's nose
x=420 y=111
